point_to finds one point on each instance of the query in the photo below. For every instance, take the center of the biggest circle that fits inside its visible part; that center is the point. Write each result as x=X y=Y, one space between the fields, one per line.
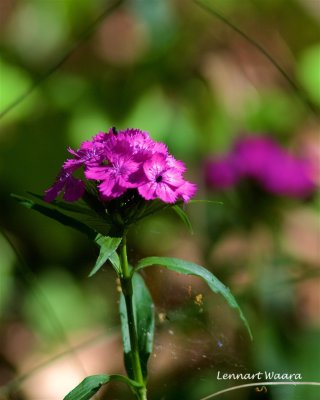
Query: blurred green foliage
x=173 y=69
x=308 y=71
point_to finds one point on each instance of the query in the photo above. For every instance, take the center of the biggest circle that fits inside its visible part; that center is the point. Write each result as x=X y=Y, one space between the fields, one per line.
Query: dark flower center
x=158 y=178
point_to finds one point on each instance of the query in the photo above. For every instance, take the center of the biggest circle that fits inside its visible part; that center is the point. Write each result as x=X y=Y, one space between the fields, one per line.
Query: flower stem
x=127 y=290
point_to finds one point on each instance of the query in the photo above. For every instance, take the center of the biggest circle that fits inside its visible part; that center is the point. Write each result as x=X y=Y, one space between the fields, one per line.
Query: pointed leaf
x=184 y=217
x=154 y=207
x=188 y=268
x=144 y=321
x=193 y=201
x=88 y=387
x=127 y=354
x=108 y=245
x=144 y=313
x=101 y=223
x=56 y=215
x=115 y=261
x=72 y=215
x=91 y=385
x=67 y=206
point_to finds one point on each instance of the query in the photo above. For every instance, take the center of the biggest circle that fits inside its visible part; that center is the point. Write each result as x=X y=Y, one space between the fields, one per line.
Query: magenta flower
x=186 y=191
x=161 y=180
x=90 y=153
x=120 y=160
x=263 y=160
x=115 y=175
x=252 y=156
x=177 y=164
x=220 y=173
x=73 y=188
x=292 y=179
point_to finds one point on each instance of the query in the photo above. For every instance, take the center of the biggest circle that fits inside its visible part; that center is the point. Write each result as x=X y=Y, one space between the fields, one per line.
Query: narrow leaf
x=188 y=268
x=88 y=387
x=67 y=213
x=144 y=314
x=56 y=215
x=127 y=354
x=108 y=245
x=115 y=262
x=91 y=385
x=144 y=321
x=68 y=206
x=184 y=217
x=217 y=202
x=99 y=222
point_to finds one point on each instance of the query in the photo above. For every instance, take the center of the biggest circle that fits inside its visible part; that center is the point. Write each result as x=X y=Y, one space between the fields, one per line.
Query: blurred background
x=69 y=69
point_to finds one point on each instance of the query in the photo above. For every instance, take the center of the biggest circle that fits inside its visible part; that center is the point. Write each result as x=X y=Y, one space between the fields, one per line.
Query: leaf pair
x=108 y=252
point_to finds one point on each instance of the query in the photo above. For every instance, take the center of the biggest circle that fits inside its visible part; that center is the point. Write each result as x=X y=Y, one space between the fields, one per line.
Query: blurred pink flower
x=262 y=159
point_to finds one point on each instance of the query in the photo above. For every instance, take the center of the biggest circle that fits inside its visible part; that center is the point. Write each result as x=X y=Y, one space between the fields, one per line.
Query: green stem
x=126 y=285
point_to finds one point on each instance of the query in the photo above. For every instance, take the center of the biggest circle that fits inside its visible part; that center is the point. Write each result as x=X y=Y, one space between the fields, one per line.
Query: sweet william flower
x=114 y=176
x=73 y=188
x=123 y=160
x=161 y=180
x=140 y=143
x=90 y=153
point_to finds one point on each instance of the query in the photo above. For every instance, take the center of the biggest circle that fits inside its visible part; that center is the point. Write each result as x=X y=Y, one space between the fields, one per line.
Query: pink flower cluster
x=121 y=160
x=261 y=159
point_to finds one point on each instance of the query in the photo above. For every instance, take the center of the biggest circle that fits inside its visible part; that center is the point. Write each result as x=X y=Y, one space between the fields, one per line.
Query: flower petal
x=148 y=191
x=165 y=193
x=74 y=189
x=187 y=190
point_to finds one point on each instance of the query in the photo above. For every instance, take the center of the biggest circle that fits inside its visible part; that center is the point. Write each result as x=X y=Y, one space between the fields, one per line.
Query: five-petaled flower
x=161 y=180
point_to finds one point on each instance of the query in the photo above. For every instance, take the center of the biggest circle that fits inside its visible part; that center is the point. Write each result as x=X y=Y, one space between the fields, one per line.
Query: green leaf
x=70 y=214
x=108 y=245
x=217 y=202
x=88 y=387
x=87 y=215
x=15 y=81
x=56 y=215
x=125 y=336
x=73 y=206
x=308 y=72
x=91 y=384
x=152 y=209
x=189 y=268
x=144 y=321
x=115 y=262
x=184 y=217
x=144 y=314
